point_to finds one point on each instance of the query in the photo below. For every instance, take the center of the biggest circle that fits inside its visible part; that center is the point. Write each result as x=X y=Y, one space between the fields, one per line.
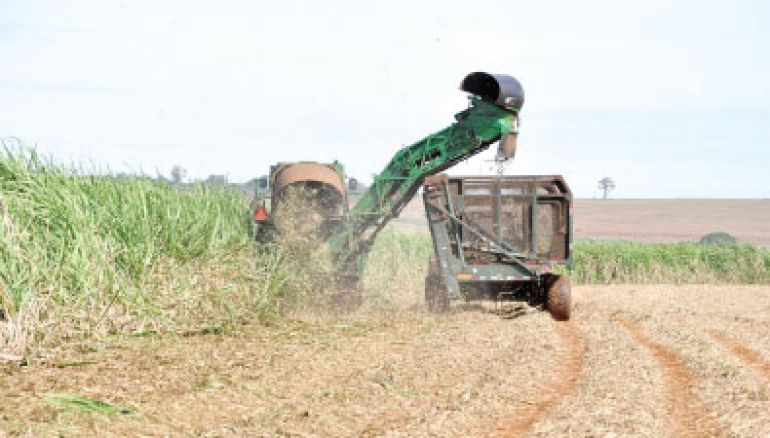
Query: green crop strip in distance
x=599 y=262
x=403 y=256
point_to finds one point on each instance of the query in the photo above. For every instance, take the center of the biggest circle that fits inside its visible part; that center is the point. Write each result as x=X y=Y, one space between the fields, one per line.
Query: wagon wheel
x=558 y=299
x=435 y=291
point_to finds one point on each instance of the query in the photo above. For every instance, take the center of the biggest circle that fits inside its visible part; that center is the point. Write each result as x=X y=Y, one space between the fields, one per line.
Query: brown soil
x=561 y=383
x=687 y=413
x=746 y=354
x=411 y=374
x=664 y=220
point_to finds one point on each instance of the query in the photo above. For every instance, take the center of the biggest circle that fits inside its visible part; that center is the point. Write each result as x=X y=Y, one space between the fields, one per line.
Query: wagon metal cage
x=507 y=231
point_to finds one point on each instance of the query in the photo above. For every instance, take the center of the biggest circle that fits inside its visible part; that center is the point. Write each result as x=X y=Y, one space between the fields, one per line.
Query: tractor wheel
x=435 y=292
x=558 y=299
x=264 y=232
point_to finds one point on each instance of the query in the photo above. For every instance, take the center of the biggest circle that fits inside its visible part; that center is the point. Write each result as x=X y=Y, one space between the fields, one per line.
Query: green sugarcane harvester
x=508 y=273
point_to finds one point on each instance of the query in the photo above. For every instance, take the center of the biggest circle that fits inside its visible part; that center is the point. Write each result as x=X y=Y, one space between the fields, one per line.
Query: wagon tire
x=558 y=300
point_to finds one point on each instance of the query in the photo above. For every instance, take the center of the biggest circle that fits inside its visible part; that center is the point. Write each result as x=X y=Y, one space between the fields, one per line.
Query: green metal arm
x=476 y=128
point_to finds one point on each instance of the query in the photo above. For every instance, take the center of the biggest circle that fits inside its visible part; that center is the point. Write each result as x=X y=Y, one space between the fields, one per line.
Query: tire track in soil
x=746 y=354
x=690 y=416
x=391 y=421
x=565 y=378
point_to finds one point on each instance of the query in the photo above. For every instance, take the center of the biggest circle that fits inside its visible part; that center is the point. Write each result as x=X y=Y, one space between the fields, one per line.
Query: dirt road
x=635 y=360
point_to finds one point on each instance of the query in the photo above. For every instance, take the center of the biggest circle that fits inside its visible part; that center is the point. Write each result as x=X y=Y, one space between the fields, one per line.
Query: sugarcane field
x=345 y=219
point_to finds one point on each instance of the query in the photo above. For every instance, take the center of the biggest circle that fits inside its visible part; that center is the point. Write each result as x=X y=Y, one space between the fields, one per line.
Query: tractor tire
x=436 y=297
x=558 y=299
x=264 y=233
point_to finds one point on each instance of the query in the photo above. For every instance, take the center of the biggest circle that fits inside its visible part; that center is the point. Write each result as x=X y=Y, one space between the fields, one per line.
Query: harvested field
x=652 y=360
x=666 y=220
x=650 y=220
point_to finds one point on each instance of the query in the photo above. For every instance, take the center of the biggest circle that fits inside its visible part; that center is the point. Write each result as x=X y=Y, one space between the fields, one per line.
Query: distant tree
x=606 y=185
x=217 y=180
x=718 y=238
x=178 y=174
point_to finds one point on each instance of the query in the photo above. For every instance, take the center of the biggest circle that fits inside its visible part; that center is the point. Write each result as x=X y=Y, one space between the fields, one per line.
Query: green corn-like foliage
x=399 y=256
x=73 y=235
x=86 y=404
x=630 y=262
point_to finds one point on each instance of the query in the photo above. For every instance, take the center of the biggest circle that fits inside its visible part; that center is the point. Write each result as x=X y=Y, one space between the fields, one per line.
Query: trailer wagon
x=499 y=238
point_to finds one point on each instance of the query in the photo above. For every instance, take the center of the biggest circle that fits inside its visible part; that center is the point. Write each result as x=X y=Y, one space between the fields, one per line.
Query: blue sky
x=670 y=98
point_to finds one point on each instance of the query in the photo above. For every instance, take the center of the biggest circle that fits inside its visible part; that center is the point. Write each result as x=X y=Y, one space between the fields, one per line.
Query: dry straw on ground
x=415 y=374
